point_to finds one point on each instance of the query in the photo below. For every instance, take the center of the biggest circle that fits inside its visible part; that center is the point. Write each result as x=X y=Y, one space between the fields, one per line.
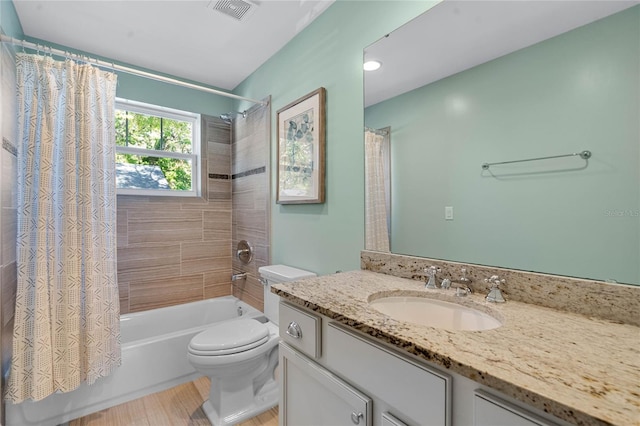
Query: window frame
x=195 y=156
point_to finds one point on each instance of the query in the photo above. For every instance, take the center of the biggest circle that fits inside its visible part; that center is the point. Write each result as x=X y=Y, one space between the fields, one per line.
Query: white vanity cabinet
x=352 y=380
x=333 y=375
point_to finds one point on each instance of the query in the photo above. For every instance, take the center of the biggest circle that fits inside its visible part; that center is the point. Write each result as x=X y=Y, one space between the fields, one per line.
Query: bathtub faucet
x=241 y=276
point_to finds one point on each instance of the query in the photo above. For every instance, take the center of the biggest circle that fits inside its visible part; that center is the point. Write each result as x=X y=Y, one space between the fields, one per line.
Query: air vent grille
x=237 y=9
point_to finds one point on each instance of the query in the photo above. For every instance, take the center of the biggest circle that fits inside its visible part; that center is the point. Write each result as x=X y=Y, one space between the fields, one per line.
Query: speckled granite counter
x=583 y=370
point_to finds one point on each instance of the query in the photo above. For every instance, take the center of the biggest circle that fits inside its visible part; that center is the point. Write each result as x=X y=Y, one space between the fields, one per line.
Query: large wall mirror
x=475 y=82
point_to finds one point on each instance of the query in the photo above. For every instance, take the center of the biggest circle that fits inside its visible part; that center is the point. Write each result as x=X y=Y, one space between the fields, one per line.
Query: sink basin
x=434 y=313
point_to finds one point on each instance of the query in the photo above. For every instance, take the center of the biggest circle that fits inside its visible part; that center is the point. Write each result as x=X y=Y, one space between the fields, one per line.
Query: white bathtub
x=154 y=358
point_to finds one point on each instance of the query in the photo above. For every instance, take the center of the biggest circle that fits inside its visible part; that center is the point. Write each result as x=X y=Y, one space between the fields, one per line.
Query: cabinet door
x=389 y=420
x=313 y=396
x=489 y=410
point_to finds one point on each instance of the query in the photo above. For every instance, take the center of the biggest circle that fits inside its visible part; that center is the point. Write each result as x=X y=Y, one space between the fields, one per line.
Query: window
x=157 y=150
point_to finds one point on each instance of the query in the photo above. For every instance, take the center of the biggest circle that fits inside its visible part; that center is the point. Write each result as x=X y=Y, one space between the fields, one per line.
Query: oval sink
x=434 y=313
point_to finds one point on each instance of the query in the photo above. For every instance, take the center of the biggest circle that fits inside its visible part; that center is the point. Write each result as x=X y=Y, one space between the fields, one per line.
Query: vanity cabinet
x=352 y=380
x=334 y=375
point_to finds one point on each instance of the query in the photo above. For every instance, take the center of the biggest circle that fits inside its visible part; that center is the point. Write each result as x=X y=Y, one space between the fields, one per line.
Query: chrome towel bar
x=585 y=155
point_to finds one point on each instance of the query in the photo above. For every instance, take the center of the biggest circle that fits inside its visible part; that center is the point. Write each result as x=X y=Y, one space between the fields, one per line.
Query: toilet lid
x=229 y=337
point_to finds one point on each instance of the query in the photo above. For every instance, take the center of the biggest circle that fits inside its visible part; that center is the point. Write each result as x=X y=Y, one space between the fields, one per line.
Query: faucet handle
x=495 y=295
x=464 y=279
x=431 y=272
x=494 y=280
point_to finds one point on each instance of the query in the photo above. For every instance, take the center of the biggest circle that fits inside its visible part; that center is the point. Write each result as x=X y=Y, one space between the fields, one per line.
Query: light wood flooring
x=174 y=407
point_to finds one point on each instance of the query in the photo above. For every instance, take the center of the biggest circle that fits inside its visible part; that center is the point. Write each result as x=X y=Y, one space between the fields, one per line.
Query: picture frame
x=301 y=150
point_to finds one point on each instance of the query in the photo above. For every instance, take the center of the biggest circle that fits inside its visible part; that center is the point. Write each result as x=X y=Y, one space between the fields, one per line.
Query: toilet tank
x=273 y=274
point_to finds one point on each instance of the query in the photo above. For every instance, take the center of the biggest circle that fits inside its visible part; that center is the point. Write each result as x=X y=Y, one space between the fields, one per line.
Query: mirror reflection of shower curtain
x=376 y=190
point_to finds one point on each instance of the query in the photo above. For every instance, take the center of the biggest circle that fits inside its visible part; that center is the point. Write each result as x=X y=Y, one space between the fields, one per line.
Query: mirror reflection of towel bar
x=585 y=155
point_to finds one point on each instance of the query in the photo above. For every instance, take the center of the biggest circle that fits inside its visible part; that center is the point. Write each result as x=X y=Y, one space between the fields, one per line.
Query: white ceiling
x=457 y=35
x=183 y=38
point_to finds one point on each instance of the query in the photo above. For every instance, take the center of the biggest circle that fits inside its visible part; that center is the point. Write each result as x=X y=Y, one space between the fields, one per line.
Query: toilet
x=240 y=357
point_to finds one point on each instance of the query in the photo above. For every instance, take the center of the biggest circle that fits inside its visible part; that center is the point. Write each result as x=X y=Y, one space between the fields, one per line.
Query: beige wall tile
x=250 y=194
x=248 y=298
x=164 y=225
x=122 y=227
x=219 y=189
x=250 y=287
x=206 y=250
x=198 y=266
x=217 y=225
x=219 y=158
x=151 y=294
x=218 y=290
x=150 y=261
x=212 y=205
x=217 y=278
x=123 y=290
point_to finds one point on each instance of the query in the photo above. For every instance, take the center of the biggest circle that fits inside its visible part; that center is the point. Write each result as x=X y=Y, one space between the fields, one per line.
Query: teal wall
x=327 y=237
x=9 y=21
x=576 y=91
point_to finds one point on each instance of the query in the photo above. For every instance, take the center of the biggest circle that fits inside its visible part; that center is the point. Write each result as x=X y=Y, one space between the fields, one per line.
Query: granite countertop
x=580 y=369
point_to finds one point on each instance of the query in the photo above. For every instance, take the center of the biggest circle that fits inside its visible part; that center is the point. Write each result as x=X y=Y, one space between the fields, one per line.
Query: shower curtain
x=376 y=229
x=67 y=327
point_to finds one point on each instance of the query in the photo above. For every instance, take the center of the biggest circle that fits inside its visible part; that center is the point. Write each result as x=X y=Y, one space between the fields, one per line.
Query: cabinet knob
x=355 y=417
x=294 y=330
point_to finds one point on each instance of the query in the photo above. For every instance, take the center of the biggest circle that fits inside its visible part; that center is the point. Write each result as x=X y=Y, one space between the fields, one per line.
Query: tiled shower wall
x=8 y=201
x=173 y=250
x=250 y=200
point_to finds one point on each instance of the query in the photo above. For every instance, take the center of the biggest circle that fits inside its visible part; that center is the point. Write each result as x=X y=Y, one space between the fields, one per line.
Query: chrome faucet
x=495 y=295
x=431 y=272
x=462 y=290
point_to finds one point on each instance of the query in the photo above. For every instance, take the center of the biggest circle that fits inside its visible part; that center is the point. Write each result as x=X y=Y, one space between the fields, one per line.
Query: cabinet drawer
x=300 y=329
x=489 y=410
x=414 y=393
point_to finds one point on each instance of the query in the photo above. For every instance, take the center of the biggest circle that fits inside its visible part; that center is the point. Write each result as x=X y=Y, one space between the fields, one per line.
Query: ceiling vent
x=237 y=9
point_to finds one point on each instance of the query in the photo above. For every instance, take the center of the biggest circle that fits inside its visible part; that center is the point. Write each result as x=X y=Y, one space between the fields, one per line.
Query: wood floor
x=174 y=407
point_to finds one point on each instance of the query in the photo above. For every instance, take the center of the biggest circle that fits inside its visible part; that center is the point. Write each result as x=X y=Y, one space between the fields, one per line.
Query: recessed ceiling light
x=372 y=65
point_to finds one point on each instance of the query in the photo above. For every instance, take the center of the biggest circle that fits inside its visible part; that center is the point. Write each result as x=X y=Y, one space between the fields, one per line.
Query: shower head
x=228 y=117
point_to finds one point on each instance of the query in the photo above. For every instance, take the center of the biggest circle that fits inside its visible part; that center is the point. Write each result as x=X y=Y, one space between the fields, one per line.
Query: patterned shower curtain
x=67 y=327
x=376 y=229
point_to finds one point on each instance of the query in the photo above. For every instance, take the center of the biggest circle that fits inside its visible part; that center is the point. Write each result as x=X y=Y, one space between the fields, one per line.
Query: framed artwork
x=301 y=145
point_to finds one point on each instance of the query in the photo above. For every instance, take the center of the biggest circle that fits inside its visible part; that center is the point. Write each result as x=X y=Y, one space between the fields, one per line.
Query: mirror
x=475 y=82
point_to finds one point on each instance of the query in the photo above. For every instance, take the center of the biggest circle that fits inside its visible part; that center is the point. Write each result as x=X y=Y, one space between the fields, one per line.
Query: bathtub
x=154 y=358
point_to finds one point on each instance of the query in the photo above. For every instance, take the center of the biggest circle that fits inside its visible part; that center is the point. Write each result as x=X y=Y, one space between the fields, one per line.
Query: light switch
x=448 y=213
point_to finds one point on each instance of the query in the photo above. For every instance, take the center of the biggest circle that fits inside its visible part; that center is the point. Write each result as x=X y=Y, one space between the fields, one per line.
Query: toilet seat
x=229 y=338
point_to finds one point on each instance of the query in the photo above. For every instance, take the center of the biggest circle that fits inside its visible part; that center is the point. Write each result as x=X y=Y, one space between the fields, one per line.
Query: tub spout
x=241 y=276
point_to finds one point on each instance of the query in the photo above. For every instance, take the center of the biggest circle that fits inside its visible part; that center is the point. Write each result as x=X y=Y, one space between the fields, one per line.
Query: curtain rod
x=115 y=67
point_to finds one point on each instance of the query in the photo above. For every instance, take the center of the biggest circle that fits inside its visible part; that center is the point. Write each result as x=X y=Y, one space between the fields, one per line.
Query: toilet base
x=267 y=398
